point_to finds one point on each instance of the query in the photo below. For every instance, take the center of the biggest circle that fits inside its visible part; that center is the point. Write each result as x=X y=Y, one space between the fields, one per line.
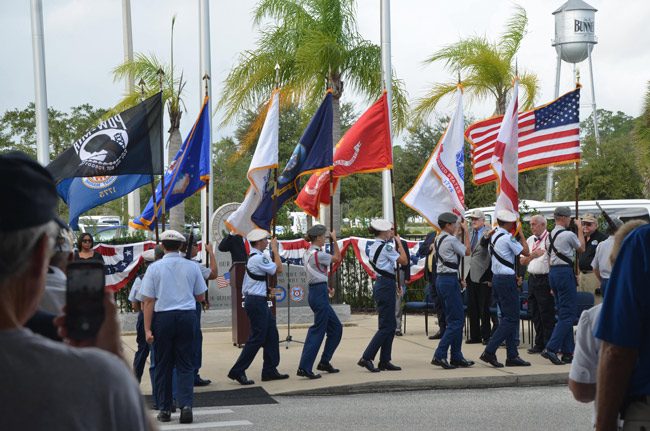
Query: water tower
x=574 y=39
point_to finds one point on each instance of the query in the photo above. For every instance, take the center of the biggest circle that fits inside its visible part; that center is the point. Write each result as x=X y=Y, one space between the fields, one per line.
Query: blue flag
x=82 y=194
x=187 y=173
x=313 y=152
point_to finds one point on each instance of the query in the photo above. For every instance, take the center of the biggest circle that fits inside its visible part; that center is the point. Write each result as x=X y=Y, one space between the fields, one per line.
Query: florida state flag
x=366 y=147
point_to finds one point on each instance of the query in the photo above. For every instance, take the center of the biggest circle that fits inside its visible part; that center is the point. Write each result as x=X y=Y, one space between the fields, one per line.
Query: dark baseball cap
x=562 y=212
x=29 y=189
x=447 y=218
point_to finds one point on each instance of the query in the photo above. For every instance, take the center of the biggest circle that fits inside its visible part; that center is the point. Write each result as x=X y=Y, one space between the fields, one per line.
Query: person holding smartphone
x=47 y=384
x=170 y=289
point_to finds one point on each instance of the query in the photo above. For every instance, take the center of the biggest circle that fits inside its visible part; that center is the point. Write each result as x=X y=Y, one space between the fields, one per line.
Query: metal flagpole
x=153 y=186
x=133 y=198
x=40 y=87
x=386 y=177
x=162 y=159
x=207 y=195
x=275 y=170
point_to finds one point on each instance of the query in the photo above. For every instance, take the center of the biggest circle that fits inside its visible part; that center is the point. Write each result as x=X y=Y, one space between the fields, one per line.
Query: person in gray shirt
x=562 y=245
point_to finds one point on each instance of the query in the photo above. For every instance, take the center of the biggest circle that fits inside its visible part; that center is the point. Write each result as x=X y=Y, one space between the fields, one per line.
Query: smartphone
x=84 y=299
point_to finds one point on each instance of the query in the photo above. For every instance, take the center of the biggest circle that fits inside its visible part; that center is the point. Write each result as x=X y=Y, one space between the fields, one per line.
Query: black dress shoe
x=198 y=381
x=491 y=359
x=462 y=363
x=551 y=356
x=398 y=333
x=436 y=336
x=517 y=362
x=442 y=363
x=242 y=379
x=326 y=366
x=186 y=415
x=485 y=342
x=567 y=359
x=274 y=376
x=173 y=410
x=473 y=342
x=308 y=374
x=535 y=350
x=368 y=365
x=164 y=416
x=387 y=366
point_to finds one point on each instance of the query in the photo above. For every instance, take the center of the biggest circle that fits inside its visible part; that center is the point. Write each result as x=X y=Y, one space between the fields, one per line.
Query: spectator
x=479 y=282
x=50 y=385
x=85 y=245
x=602 y=264
x=53 y=298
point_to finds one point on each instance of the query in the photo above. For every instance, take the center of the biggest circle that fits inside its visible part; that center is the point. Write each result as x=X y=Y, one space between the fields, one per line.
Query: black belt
x=387 y=275
x=448 y=274
x=586 y=272
x=538 y=275
x=562 y=265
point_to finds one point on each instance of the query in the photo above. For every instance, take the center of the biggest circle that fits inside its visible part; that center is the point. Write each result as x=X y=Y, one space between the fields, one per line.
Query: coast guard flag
x=365 y=147
x=187 y=173
x=441 y=185
x=313 y=152
x=264 y=161
x=82 y=194
x=126 y=143
x=505 y=159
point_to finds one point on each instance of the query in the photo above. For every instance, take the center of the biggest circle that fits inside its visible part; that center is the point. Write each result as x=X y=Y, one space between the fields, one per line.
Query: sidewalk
x=413 y=352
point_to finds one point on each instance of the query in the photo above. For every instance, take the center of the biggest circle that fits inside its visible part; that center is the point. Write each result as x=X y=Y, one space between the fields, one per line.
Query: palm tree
x=315 y=42
x=148 y=71
x=487 y=68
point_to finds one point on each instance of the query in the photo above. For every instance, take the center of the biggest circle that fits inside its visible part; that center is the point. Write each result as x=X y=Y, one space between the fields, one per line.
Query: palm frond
x=427 y=104
x=515 y=31
x=530 y=83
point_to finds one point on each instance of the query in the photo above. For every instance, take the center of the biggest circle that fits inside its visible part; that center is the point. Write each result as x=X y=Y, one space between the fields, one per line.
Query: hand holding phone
x=84 y=300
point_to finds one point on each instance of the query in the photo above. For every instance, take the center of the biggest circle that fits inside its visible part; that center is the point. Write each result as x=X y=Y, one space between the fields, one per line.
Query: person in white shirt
x=541 y=303
x=602 y=264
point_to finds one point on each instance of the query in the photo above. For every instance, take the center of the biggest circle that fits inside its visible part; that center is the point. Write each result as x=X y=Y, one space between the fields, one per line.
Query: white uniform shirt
x=259 y=264
x=450 y=250
x=53 y=298
x=134 y=294
x=316 y=265
x=508 y=248
x=538 y=265
x=173 y=282
x=565 y=243
x=387 y=258
x=601 y=260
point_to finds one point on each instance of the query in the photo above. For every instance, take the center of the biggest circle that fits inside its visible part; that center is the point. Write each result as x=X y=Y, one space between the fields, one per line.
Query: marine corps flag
x=126 y=143
x=313 y=152
x=187 y=173
x=365 y=147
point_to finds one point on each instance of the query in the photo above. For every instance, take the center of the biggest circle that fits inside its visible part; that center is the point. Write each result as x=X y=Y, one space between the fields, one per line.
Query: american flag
x=223 y=280
x=548 y=135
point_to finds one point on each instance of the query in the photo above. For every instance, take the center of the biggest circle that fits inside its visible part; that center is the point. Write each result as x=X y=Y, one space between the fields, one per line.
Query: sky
x=83 y=42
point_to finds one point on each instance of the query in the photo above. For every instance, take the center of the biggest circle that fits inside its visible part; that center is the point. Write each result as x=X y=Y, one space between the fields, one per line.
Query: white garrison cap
x=381 y=225
x=256 y=235
x=149 y=255
x=172 y=235
x=506 y=216
x=477 y=214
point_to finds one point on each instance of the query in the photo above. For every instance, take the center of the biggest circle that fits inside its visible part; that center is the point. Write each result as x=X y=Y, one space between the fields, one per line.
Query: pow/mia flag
x=127 y=143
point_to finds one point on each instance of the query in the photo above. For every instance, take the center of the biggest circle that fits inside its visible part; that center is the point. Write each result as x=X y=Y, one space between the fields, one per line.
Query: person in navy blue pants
x=326 y=321
x=384 y=254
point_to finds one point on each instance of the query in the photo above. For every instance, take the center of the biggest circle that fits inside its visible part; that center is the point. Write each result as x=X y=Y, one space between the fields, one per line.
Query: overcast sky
x=83 y=42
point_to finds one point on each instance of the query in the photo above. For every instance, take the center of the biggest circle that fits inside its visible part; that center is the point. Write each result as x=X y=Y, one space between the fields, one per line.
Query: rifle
x=190 y=244
x=607 y=218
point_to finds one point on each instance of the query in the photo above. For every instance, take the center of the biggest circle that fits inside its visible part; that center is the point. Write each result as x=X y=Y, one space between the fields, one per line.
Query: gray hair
x=539 y=218
x=17 y=247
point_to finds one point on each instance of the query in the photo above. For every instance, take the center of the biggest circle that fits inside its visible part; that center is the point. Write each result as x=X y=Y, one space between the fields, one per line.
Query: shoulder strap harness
x=373 y=263
x=446 y=263
x=551 y=239
x=498 y=257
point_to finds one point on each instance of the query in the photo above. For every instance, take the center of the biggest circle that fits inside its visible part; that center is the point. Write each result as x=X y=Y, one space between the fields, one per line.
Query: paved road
x=530 y=409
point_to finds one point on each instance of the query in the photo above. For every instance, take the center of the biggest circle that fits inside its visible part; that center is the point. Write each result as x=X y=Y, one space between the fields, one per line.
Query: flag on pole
x=188 y=173
x=126 y=143
x=260 y=170
x=504 y=161
x=365 y=147
x=440 y=187
x=313 y=152
x=548 y=135
x=82 y=194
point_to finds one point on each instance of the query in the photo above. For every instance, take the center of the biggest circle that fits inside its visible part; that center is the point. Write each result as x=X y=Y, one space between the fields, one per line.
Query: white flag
x=441 y=185
x=505 y=160
x=260 y=171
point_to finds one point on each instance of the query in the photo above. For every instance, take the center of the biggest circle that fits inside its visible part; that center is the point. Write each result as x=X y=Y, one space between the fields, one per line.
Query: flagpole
x=577 y=181
x=206 y=193
x=40 y=87
x=275 y=170
x=162 y=158
x=387 y=180
x=207 y=196
x=153 y=186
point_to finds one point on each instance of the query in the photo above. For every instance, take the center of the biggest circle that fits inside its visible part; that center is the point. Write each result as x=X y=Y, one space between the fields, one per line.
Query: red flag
x=365 y=147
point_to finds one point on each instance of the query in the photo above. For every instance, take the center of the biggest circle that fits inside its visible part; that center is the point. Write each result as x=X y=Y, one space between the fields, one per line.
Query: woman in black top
x=85 y=245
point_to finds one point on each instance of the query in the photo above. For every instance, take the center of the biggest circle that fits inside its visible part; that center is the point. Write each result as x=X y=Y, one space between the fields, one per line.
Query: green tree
x=146 y=70
x=487 y=68
x=314 y=42
x=641 y=139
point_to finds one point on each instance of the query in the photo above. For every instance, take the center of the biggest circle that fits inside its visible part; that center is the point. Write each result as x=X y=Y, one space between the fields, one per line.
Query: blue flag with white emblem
x=188 y=172
x=313 y=152
x=82 y=194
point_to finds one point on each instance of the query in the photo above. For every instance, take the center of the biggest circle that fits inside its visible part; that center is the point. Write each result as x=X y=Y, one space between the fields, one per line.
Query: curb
x=423 y=385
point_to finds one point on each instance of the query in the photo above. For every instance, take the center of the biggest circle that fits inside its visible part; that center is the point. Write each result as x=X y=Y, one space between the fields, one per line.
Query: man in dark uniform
x=427 y=251
x=587 y=280
x=479 y=281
